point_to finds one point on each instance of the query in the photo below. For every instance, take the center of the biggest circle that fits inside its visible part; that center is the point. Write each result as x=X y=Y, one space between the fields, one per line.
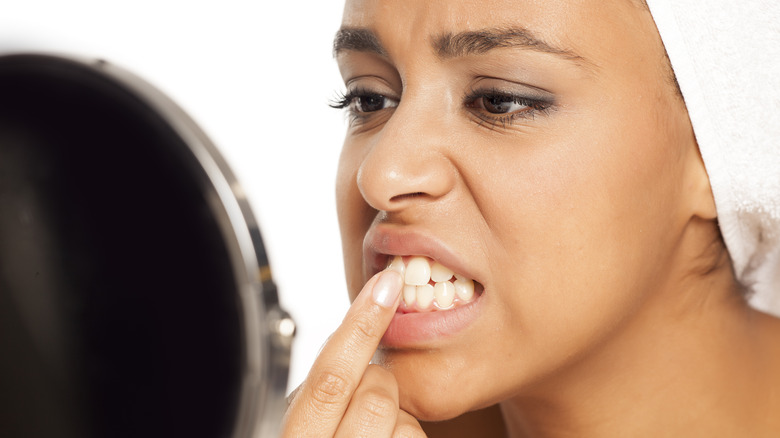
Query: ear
x=698 y=184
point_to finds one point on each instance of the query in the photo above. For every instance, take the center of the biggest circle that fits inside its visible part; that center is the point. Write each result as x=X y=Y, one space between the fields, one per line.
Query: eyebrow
x=482 y=41
x=357 y=39
x=451 y=45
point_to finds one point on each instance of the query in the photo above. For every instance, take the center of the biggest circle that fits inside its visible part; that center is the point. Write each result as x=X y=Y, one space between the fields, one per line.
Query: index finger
x=323 y=398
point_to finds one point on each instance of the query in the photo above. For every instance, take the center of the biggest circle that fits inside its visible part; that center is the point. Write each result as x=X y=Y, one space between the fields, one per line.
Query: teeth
x=464 y=288
x=444 y=292
x=440 y=272
x=397 y=265
x=410 y=294
x=418 y=271
x=425 y=295
x=428 y=283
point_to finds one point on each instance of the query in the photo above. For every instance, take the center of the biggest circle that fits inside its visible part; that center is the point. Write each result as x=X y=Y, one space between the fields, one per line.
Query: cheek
x=581 y=227
x=354 y=215
x=604 y=185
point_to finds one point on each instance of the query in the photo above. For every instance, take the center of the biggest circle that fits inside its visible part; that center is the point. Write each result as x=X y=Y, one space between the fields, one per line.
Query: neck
x=698 y=367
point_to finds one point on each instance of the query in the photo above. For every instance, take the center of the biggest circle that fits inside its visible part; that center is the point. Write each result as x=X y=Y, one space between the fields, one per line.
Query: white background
x=257 y=77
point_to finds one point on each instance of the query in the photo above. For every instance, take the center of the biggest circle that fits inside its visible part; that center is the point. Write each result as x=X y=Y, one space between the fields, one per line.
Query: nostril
x=407 y=196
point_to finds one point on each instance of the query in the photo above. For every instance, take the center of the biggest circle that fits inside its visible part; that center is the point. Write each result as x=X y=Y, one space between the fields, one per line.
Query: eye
x=362 y=102
x=502 y=103
x=372 y=102
x=502 y=107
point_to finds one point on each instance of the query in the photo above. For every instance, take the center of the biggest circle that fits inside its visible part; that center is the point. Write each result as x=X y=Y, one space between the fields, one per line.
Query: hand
x=344 y=395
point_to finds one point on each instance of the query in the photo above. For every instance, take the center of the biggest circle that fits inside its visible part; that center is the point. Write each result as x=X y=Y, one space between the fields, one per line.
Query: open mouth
x=430 y=286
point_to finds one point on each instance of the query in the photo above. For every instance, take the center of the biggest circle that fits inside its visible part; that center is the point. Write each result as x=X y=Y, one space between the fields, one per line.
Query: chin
x=430 y=405
x=429 y=387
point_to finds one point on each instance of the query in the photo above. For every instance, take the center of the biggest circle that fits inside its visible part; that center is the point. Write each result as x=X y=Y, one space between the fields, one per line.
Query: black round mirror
x=135 y=293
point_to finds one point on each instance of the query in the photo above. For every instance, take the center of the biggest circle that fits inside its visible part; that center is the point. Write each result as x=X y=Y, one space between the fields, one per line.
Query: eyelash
x=535 y=106
x=344 y=99
x=349 y=100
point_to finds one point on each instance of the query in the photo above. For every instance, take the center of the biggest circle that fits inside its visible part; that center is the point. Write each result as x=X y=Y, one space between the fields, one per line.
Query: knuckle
x=375 y=375
x=408 y=431
x=366 y=327
x=377 y=403
x=331 y=387
x=407 y=427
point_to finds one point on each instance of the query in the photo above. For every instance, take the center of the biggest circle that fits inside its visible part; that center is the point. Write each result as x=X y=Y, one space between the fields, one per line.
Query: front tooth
x=464 y=288
x=424 y=296
x=410 y=294
x=440 y=272
x=397 y=265
x=418 y=272
x=444 y=293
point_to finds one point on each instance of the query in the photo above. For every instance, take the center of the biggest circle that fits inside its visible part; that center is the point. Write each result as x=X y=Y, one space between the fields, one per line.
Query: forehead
x=598 y=30
x=452 y=11
x=469 y=13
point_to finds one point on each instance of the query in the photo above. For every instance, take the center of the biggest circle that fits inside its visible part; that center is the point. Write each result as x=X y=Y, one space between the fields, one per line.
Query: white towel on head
x=726 y=55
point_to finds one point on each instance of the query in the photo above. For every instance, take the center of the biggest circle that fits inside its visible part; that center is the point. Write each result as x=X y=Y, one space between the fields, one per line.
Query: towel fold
x=726 y=56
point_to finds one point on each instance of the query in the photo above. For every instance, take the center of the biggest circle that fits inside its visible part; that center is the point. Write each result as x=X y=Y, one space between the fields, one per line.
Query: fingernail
x=387 y=288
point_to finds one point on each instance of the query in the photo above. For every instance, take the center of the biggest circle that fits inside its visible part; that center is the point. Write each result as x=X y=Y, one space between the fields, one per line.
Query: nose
x=408 y=162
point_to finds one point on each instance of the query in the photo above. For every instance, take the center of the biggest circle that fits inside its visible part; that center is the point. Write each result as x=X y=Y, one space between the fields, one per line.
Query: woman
x=543 y=154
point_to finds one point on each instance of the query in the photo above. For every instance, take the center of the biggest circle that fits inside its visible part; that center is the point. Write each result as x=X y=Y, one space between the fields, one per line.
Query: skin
x=610 y=308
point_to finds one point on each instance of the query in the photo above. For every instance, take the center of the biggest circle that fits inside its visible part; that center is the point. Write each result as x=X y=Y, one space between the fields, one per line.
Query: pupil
x=371 y=103
x=498 y=104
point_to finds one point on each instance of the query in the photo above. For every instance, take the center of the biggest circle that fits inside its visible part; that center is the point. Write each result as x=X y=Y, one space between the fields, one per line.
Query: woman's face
x=536 y=147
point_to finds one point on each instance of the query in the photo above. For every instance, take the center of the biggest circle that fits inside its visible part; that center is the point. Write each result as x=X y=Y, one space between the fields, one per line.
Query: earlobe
x=702 y=201
x=697 y=196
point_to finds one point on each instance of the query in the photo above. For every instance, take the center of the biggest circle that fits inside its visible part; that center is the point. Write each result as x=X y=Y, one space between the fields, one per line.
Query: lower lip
x=410 y=330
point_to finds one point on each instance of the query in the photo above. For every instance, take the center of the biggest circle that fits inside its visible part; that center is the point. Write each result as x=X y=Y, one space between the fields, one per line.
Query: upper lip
x=385 y=240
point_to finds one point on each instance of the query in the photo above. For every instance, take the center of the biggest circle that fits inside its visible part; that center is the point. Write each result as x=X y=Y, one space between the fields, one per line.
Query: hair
x=641 y=3
x=672 y=78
